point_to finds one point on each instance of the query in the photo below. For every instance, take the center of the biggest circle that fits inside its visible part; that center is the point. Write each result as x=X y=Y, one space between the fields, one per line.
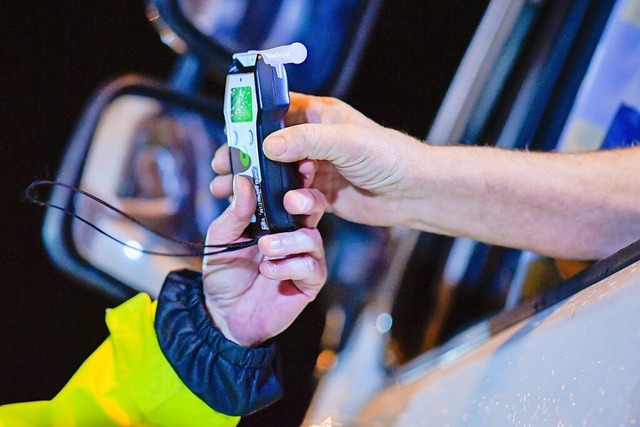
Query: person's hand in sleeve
x=255 y=293
x=212 y=326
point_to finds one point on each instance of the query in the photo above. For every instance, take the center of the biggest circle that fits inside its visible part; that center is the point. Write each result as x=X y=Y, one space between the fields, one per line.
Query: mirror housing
x=145 y=149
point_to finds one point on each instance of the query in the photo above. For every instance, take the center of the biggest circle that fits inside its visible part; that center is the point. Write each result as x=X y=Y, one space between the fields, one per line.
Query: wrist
x=203 y=358
x=417 y=182
x=220 y=320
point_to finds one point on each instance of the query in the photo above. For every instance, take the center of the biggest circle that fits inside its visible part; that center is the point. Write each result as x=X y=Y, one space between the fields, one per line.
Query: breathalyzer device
x=255 y=103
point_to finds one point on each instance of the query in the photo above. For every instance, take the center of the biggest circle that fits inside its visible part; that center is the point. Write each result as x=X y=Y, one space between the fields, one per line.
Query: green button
x=244 y=159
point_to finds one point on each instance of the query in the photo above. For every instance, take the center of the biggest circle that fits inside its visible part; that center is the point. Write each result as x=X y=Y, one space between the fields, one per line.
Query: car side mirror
x=145 y=149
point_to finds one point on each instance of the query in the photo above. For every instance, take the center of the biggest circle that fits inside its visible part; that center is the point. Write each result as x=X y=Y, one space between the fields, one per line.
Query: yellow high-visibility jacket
x=127 y=381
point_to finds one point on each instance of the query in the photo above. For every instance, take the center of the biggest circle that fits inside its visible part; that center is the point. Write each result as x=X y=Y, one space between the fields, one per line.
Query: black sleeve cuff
x=232 y=379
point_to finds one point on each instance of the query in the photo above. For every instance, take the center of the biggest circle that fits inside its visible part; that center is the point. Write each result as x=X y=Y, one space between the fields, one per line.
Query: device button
x=250 y=137
x=233 y=138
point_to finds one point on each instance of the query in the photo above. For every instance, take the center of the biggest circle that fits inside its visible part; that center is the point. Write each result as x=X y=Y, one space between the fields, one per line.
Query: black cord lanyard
x=31 y=193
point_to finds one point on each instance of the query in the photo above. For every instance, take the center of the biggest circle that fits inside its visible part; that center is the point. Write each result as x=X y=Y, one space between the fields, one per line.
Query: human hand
x=362 y=168
x=255 y=293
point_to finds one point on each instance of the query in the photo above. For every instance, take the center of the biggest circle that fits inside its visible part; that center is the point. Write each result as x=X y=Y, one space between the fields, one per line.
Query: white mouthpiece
x=277 y=57
x=294 y=53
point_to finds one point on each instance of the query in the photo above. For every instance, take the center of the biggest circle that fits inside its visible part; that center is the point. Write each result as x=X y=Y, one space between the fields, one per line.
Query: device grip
x=278 y=178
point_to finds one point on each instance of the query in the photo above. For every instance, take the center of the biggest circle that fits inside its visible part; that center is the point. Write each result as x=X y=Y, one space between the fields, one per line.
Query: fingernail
x=275 y=244
x=301 y=201
x=276 y=146
x=233 y=196
x=271 y=267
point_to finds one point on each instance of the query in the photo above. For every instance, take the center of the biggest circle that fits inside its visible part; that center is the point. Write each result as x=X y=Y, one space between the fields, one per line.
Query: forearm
x=581 y=206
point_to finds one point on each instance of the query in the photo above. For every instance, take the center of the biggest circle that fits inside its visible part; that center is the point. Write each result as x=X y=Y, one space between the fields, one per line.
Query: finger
x=309 y=202
x=221 y=163
x=221 y=186
x=298 y=256
x=340 y=144
x=301 y=241
x=228 y=227
x=297 y=113
x=321 y=109
x=307 y=273
x=307 y=169
x=305 y=142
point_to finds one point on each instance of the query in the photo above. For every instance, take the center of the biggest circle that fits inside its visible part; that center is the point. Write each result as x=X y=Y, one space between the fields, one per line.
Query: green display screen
x=241 y=104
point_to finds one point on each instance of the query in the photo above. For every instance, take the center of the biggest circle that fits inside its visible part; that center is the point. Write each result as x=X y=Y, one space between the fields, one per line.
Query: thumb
x=338 y=144
x=228 y=227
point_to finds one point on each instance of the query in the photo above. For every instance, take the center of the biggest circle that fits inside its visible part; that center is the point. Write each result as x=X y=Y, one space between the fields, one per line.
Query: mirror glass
x=150 y=159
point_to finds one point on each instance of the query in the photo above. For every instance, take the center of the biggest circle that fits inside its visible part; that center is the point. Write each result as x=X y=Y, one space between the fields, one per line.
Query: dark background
x=53 y=55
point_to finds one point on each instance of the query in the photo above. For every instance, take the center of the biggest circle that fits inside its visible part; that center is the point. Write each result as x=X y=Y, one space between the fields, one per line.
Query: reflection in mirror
x=151 y=160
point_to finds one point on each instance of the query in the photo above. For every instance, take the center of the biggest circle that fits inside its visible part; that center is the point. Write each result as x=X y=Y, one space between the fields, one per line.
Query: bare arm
x=579 y=206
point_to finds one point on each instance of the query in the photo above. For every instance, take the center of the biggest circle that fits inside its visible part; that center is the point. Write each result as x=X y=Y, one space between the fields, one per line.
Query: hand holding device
x=366 y=171
x=255 y=293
